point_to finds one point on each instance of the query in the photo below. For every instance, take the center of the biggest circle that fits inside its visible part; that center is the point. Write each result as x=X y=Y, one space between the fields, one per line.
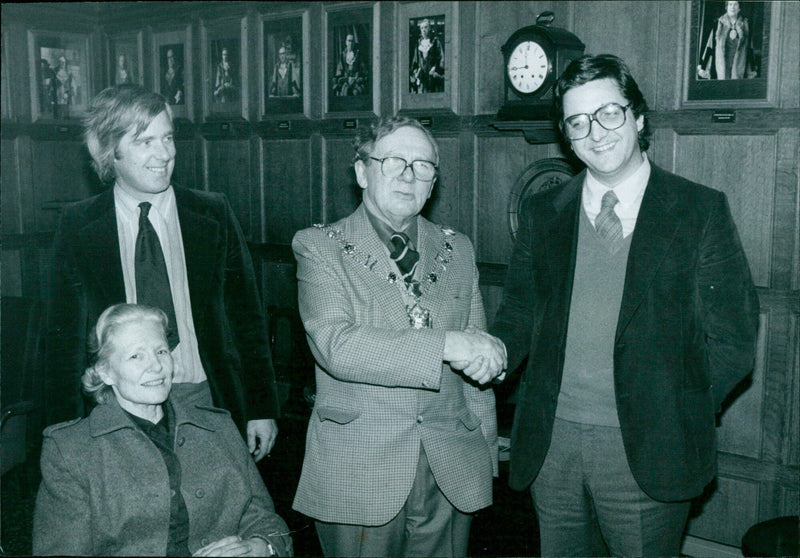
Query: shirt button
x=419 y=418
x=199 y=493
x=181 y=441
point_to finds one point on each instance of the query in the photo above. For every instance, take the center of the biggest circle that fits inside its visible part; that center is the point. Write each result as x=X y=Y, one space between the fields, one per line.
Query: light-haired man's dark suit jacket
x=226 y=308
x=686 y=333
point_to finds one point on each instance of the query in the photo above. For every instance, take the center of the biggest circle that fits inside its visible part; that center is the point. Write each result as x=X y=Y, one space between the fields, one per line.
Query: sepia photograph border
x=758 y=91
x=448 y=99
x=182 y=36
x=37 y=40
x=235 y=32
x=281 y=107
x=334 y=16
x=128 y=43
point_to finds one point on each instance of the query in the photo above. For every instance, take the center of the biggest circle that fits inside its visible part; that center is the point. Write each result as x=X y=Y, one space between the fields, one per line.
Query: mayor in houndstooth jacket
x=402 y=442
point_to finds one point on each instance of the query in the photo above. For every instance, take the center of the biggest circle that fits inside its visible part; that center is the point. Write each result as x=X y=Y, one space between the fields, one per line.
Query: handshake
x=480 y=356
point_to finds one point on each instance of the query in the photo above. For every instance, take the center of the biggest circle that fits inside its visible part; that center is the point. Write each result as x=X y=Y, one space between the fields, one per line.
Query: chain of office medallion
x=368 y=261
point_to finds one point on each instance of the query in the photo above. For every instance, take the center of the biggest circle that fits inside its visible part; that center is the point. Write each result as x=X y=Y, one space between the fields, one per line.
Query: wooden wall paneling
x=341 y=193
x=280 y=284
x=499 y=161
x=669 y=55
x=791 y=432
x=61 y=173
x=15 y=56
x=786 y=225
x=467 y=203
x=464 y=57
x=10 y=193
x=229 y=172
x=443 y=207
x=730 y=511
x=744 y=168
x=11 y=263
x=187 y=161
x=778 y=382
x=780 y=415
x=286 y=194
x=738 y=432
x=789 y=62
x=634 y=38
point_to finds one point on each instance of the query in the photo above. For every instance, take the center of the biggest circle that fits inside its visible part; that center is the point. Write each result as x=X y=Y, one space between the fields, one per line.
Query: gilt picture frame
x=125 y=61
x=352 y=61
x=60 y=75
x=172 y=70
x=284 y=65
x=225 y=69
x=730 y=56
x=428 y=52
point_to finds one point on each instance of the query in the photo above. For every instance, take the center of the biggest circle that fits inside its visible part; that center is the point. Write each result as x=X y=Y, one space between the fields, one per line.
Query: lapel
x=98 y=240
x=656 y=226
x=560 y=234
x=359 y=231
x=107 y=418
x=430 y=240
x=200 y=230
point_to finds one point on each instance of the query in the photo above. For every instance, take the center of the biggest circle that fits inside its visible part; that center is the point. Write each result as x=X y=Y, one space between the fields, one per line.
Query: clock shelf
x=535 y=131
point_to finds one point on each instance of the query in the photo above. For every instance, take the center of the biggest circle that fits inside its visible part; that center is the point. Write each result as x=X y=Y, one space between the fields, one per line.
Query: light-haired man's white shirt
x=164 y=217
x=629 y=193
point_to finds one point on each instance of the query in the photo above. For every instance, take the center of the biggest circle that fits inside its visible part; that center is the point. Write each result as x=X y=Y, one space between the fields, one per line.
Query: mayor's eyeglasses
x=392 y=167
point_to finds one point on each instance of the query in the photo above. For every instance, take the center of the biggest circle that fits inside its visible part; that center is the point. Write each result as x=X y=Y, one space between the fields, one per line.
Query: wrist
x=269 y=548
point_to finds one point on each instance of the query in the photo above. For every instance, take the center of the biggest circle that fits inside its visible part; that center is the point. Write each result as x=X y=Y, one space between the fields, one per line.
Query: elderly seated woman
x=145 y=475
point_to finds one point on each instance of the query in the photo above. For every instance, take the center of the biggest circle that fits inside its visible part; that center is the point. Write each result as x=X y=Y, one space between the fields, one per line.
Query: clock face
x=528 y=67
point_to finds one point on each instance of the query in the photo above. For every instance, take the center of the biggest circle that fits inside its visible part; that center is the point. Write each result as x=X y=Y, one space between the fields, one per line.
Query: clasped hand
x=480 y=356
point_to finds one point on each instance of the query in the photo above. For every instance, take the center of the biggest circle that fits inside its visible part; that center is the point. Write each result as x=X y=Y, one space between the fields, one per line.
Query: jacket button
x=419 y=419
x=181 y=441
x=199 y=493
x=204 y=542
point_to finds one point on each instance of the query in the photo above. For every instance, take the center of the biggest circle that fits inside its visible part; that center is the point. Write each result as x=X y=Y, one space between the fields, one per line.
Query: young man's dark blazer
x=226 y=307
x=686 y=333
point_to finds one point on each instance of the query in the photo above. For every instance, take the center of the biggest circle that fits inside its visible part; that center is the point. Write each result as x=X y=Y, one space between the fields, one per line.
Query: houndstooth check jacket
x=382 y=388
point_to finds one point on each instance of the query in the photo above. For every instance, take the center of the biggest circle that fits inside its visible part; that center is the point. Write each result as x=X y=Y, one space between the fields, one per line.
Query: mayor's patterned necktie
x=406 y=258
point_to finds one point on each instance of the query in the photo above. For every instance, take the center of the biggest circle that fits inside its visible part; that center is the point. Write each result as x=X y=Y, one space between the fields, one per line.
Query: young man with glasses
x=630 y=294
x=402 y=442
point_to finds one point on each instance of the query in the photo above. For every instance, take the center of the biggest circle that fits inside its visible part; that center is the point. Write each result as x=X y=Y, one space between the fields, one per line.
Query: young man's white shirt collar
x=629 y=193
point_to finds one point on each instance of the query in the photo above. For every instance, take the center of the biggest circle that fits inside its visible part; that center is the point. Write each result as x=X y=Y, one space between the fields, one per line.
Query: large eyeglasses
x=610 y=116
x=392 y=167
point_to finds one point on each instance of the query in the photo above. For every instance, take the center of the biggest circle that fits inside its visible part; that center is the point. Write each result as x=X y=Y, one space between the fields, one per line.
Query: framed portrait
x=225 y=69
x=125 y=62
x=728 y=56
x=172 y=54
x=59 y=73
x=284 y=63
x=428 y=33
x=351 y=66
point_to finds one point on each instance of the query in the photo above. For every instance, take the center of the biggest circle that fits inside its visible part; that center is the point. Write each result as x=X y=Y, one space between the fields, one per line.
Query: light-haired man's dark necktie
x=152 y=280
x=403 y=253
x=607 y=223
